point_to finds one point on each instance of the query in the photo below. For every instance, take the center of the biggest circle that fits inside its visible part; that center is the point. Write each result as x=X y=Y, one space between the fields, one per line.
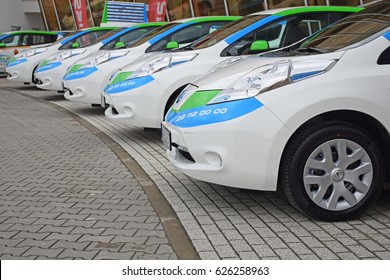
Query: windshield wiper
x=311 y=49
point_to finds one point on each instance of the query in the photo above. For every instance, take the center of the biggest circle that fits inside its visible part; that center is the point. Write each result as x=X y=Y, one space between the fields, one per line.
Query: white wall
x=23 y=13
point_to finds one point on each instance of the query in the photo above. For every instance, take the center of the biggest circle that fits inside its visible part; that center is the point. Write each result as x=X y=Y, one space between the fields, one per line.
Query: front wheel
x=333 y=171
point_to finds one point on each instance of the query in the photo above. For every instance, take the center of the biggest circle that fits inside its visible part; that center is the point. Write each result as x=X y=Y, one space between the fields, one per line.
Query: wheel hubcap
x=338 y=174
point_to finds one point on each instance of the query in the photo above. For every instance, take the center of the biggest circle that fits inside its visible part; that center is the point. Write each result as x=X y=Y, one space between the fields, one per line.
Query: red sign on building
x=157 y=10
x=80 y=13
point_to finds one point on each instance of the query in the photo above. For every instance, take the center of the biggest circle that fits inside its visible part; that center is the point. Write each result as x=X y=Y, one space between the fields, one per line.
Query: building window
x=178 y=9
x=65 y=15
x=245 y=7
x=274 y=4
x=50 y=14
x=316 y=2
x=344 y=2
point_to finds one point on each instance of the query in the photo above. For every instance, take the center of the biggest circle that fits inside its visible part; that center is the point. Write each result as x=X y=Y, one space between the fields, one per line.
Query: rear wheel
x=333 y=171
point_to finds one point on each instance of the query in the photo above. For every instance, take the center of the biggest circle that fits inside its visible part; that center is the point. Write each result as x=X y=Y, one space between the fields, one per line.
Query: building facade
x=59 y=14
x=20 y=14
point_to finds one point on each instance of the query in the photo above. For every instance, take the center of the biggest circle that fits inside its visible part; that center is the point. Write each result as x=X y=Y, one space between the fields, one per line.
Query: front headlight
x=272 y=76
x=34 y=52
x=160 y=63
x=68 y=54
x=225 y=63
x=104 y=58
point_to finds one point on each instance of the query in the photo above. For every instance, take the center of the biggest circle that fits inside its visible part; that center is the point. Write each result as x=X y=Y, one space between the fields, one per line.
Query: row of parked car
x=296 y=98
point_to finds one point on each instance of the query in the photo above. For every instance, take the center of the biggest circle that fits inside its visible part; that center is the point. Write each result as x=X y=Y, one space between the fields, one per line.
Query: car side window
x=128 y=37
x=284 y=32
x=187 y=35
x=12 y=40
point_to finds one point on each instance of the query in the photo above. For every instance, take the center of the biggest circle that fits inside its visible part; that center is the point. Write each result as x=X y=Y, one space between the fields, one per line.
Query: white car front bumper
x=49 y=77
x=226 y=145
x=136 y=102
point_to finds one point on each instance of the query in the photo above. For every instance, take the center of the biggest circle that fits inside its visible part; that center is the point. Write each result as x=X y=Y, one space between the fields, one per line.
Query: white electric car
x=315 y=122
x=22 y=67
x=49 y=75
x=15 y=42
x=87 y=82
x=141 y=93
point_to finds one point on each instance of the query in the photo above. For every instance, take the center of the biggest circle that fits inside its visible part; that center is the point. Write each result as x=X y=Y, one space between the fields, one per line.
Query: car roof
x=308 y=9
x=32 y=32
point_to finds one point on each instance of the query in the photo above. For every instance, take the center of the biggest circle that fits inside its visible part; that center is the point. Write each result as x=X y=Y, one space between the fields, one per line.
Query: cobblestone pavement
x=228 y=223
x=64 y=193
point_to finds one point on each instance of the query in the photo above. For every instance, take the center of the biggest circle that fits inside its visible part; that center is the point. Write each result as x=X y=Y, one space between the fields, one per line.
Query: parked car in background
x=22 y=66
x=87 y=83
x=49 y=75
x=316 y=121
x=142 y=92
x=14 y=42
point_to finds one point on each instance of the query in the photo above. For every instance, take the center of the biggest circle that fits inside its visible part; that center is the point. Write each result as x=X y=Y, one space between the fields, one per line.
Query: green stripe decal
x=44 y=63
x=318 y=9
x=74 y=68
x=199 y=98
x=120 y=77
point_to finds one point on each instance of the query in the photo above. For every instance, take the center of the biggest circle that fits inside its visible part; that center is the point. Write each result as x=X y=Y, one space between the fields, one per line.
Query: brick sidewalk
x=226 y=223
x=65 y=194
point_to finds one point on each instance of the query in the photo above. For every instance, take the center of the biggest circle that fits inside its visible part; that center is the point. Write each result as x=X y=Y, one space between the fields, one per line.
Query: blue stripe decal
x=81 y=33
x=169 y=32
x=301 y=76
x=215 y=113
x=4 y=36
x=116 y=35
x=17 y=62
x=231 y=39
x=128 y=85
x=48 y=67
x=81 y=73
x=387 y=35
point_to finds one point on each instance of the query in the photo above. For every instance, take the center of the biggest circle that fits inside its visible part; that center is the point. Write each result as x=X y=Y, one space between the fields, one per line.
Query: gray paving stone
x=372 y=245
x=225 y=251
x=264 y=251
x=64 y=237
x=78 y=246
x=210 y=255
x=75 y=254
x=360 y=251
x=130 y=239
x=107 y=255
x=50 y=253
x=286 y=254
x=36 y=243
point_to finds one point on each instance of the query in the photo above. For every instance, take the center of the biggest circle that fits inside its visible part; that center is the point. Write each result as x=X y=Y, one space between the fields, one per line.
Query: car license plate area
x=166 y=137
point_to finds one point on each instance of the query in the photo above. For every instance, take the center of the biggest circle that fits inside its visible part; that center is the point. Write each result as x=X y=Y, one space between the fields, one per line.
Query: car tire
x=332 y=171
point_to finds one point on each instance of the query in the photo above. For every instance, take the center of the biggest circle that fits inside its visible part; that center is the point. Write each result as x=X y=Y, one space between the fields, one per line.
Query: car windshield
x=66 y=37
x=107 y=35
x=350 y=30
x=152 y=34
x=225 y=31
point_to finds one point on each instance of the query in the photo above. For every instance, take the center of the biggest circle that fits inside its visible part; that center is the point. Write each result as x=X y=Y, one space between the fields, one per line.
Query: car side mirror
x=75 y=45
x=172 y=45
x=259 y=46
x=2 y=45
x=119 y=45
